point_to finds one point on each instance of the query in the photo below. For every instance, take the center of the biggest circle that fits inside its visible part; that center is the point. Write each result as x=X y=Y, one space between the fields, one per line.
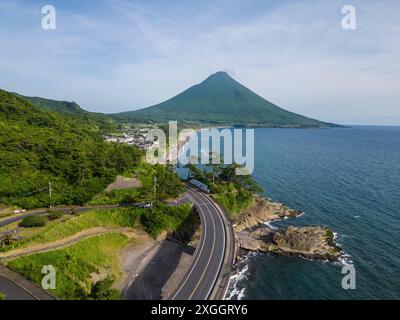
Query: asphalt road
x=209 y=257
x=14 y=291
x=210 y=253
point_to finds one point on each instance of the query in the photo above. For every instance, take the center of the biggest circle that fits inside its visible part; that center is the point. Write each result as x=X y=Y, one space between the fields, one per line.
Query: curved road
x=204 y=277
x=212 y=252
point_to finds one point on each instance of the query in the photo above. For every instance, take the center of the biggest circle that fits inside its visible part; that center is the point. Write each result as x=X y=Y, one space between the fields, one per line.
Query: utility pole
x=155 y=186
x=50 y=192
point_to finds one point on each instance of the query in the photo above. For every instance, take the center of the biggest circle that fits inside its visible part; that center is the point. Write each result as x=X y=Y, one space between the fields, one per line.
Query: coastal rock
x=263 y=210
x=310 y=242
x=255 y=241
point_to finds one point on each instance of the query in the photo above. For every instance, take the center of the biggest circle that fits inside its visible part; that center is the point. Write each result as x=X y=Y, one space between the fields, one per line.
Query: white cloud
x=135 y=54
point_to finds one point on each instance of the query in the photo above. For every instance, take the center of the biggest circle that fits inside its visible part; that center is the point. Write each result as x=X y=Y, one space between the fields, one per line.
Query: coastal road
x=207 y=276
x=214 y=250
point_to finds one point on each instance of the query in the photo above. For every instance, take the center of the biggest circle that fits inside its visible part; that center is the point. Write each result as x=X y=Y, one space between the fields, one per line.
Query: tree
x=102 y=290
x=215 y=161
x=168 y=183
x=193 y=171
x=6 y=241
x=33 y=221
x=228 y=172
x=54 y=214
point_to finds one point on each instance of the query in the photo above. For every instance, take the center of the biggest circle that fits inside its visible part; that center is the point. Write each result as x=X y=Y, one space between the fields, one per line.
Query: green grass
x=75 y=264
x=30 y=232
x=114 y=218
x=122 y=196
x=160 y=218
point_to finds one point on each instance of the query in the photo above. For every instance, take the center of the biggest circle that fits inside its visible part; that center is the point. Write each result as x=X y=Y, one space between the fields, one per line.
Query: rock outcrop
x=310 y=242
x=263 y=210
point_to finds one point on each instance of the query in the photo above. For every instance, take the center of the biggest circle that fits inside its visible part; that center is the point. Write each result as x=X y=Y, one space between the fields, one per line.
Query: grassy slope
x=233 y=202
x=159 y=219
x=231 y=199
x=99 y=254
x=75 y=264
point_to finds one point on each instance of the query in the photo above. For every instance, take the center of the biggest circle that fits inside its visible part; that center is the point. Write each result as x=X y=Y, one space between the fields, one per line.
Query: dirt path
x=65 y=242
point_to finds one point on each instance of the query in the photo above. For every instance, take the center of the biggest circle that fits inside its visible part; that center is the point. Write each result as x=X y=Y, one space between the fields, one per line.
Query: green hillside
x=220 y=100
x=41 y=146
x=104 y=122
x=58 y=106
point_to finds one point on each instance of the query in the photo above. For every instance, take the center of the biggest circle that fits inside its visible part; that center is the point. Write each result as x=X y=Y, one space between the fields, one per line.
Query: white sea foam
x=268 y=223
x=235 y=289
x=241 y=294
x=345 y=260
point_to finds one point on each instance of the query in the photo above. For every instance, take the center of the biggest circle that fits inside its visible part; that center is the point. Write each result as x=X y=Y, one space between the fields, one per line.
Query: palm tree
x=229 y=171
x=215 y=161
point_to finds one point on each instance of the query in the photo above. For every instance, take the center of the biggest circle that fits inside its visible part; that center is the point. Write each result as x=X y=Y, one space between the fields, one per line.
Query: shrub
x=54 y=215
x=33 y=221
x=102 y=290
x=164 y=218
x=3 y=296
x=74 y=212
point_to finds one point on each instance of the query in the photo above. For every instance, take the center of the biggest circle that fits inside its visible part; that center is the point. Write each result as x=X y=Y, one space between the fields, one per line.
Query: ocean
x=347 y=179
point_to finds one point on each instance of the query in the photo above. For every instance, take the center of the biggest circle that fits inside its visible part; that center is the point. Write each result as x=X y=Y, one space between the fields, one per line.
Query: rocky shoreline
x=252 y=234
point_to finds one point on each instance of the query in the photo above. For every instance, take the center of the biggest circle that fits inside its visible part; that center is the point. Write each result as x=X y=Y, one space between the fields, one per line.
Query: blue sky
x=116 y=55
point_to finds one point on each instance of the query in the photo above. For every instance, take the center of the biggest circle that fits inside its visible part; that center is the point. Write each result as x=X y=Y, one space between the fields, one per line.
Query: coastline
x=253 y=228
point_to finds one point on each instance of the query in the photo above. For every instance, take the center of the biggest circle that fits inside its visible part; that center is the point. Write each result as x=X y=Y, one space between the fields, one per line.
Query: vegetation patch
x=54 y=215
x=74 y=266
x=114 y=218
x=38 y=147
x=158 y=183
x=235 y=201
x=165 y=218
x=154 y=221
x=33 y=221
x=234 y=193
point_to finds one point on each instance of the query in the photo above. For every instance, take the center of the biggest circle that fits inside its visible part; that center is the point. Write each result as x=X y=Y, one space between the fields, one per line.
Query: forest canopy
x=41 y=148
